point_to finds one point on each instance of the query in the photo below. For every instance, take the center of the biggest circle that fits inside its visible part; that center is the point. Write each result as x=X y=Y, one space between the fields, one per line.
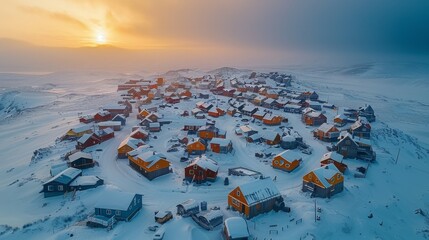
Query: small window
x=238 y=193
x=50 y=188
x=108 y=212
x=60 y=188
x=195 y=166
x=118 y=213
x=191 y=172
x=310 y=176
x=338 y=176
x=157 y=166
x=276 y=162
x=287 y=165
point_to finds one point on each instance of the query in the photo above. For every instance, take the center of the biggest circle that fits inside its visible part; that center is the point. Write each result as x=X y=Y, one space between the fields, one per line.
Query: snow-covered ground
x=37 y=109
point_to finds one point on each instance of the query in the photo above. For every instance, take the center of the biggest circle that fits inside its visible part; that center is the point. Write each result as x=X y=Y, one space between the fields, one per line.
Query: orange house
x=207 y=132
x=334 y=158
x=185 y=93
x=314 y=118
x=149 y=163
x=327 y=132
x=259 y=115
x=256 y=197
x=272 y=120
x=143 y=113
x=286 y=161
x=271 y=94
x=127 y=145
x=216 y=112
x=160 y=81
x=323 y=182
x=271 y=137
x=340 y=120
x=197 y=146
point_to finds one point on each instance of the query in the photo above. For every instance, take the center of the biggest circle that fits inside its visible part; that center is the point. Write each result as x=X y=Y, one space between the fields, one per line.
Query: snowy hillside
x=36 y=110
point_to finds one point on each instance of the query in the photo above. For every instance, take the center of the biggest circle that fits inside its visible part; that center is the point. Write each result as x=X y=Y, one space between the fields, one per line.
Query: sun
x=100 y=38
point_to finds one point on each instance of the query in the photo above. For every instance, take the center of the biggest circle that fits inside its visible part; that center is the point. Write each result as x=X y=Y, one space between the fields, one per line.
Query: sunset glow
x=100 y=38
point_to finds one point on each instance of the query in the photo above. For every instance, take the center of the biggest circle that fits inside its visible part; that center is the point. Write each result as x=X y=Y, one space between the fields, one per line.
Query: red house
x=139 y=133
x=103 y=116
x=87 y=140
x=201 y=169
x=105 y=134
x=172 y=100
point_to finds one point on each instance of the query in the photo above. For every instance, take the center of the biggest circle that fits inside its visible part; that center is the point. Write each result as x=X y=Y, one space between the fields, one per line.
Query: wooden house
x=120 y=118
x=271 y=137
x=220 y=145
x=149 y=163
x=235 y=228
x=340 y=120
x=86 y=119
x=258 y=100
x=287 y=161
x=355 y=147
x=154 y=117
x=216 y=112
x=231 y=111
x=113 y=203
x=245 y=130
x=256 y=197
x=115 y=125
x=201 y=169
x=185 y=94
x=160 y=81
x=361 y=128
x=314 y=118
x=207 y=132
x=103 y=116
x=228 y=92
x=327 y=132
x=143 y=114
x=127 y=145
x=272 y=120
x=333 y=158
x=117 y=109
x=249 y=110
x=87 y=140
x=259 y=115
x=188 y=208
x=308 y=96
x=59 y=184
x=78 y=131
x=81 y=160
x=154 y=127
x=192 y=125
x=271 y=94
x=139 y=133
x=196 y=146
x=323 y=182
x=367 y=112
x=104 y=134
x=269 y=103
x=288 y=142
x=145 y=122
x=293 y=108
x=172 y=100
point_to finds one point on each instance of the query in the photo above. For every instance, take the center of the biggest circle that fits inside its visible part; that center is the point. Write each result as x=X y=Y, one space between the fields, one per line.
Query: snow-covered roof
x=259 y=190
x=57 y=168
x=132 y=142
x=332 y=155
x=109 y=123
x=213 y=214
x=269 y=135
x=196 y=110
x=138 y=150
x=190 y=204
x=155 y=124
x=259 y=113
x=112 y=198
x=246 y=128
x=66 y=176
x=84 y=138
x=78 y=155
x=325 y=173
x=85 y=181
x=139 y=130
x=269 y=100
x=325 y=127
x=288 y=138
x=220 y=141
x=314 y=114
x=289 y=155
x=341 y=116
x=249 y=108
x=205 y=163
x=292 y=106
x=81 y=128
x=255 y=136
x=270 y=117
x=119 y=116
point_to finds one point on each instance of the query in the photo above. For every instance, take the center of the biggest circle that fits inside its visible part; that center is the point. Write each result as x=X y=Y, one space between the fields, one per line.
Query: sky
x=267 y=31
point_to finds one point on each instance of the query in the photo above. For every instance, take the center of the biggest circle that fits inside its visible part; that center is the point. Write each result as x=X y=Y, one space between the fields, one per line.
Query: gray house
x=60 y=184
x=123 y=206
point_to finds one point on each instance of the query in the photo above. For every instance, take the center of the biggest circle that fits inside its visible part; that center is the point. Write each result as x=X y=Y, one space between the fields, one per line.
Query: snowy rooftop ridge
x=259 y=190
x=289 y=155
x=236 y=227
x=206 y=163
x=66 y=176
x=325 y=173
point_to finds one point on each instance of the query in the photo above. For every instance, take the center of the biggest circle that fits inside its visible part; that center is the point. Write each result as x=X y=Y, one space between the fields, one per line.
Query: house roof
x=269 y=135
x=246 y=128
x=75 y=156
x=205 y=163
x=249 y=108
x=189 y=204
x=236 y=227
x=270 y=117
x=289 y=155
x=138 y=150
x=212 y=214
x=332 y=155
x=81 y=128
x=345 y=135
x=109 y=123
x=57 y=168
x=155 y=124
x=288 y=138
x=341 y=116
x=84 y=138
x=269 y=100
x=259 y=113
x=259 y=191
x=66 y=176
x=325 y=127
x=139 y=130
x=113 y=198
x=314 y=114
x=132 y=142
x=85 y=181
x=220 y=141
x=325 y=173
x=120 y=116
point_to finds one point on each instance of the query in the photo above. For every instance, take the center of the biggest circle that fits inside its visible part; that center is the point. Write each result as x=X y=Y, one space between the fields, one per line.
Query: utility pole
x=397 y=156
x=315 y=210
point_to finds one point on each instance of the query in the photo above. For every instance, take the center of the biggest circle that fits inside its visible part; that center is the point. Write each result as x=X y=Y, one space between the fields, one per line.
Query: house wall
x=277 y=160
x=150 y=174
x=122 y=215
x=82 y=163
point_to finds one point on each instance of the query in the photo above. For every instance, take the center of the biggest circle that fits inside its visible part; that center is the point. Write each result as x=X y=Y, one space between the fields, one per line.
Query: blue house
x=120 y=118
x=120 y=205
x=60 y=184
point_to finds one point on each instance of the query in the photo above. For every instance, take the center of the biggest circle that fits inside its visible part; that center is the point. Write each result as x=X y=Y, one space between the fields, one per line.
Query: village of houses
x=222 y=151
